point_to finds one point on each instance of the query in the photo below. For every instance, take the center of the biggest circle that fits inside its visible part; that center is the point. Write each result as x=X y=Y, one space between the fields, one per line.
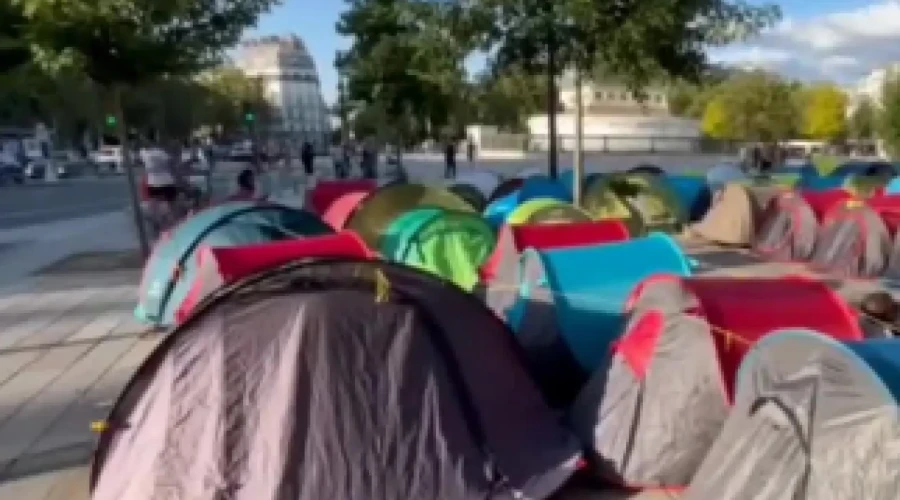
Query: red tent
x=789 y=226
x=652 y=415
x=573 y=234
x=822 y=202
x=340 y=211
x=326 y=192
x=853 y=241
x=218 y=267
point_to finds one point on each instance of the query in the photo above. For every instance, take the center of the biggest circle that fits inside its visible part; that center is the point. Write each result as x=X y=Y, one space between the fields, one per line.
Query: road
x=38 y=202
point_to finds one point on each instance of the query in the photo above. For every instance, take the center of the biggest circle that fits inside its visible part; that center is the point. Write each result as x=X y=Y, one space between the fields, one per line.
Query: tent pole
x=578 y=167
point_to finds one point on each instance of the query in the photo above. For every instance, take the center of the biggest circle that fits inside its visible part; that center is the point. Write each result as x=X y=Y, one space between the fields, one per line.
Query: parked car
x=108 y=160
x=11 y=171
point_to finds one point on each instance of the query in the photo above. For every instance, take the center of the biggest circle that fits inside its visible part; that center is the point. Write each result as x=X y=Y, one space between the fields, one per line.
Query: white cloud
x=841 y=46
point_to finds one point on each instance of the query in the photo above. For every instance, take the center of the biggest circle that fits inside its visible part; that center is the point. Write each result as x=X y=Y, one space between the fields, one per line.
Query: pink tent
x=340 y=211
x=326 y=192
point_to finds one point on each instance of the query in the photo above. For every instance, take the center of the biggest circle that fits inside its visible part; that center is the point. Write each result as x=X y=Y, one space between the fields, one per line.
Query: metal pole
x=552 y=96
x=579 y=139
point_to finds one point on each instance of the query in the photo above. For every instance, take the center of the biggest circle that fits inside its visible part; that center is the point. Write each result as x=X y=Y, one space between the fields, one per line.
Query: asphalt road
x=38 y=202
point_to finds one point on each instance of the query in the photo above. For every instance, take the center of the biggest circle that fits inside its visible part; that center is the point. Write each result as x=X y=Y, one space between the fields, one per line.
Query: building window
x=658 y=98
x=598 y=95
x=624 y=96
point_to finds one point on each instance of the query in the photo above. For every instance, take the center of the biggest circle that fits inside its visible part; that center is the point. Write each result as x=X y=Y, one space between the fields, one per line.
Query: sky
x=835 y=40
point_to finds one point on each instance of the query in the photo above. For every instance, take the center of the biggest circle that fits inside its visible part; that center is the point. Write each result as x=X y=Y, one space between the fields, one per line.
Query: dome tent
x=726 y=173
x=501 y=273
x=693 y=194
x=505 y=188
x=343 y=208
x=383 y=206
x=470 y=194
x=168 y=275
x=853 y=241
x=497 y=212
x=219 y=267
x=658 y=207
x=652 y=414
x=733 y=217
x=326 y=192
x=259 y=374
x=813 y=419
x=546 y=211
x=587 y=288
x=449 y=244
x=486 y=182
x=604 y=203
x=790 y=224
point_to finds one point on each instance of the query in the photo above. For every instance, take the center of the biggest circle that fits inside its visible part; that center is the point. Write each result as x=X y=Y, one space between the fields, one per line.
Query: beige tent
x=733 y=217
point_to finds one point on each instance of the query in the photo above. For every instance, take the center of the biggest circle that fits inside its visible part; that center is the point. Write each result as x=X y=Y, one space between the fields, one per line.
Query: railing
x=608 y=143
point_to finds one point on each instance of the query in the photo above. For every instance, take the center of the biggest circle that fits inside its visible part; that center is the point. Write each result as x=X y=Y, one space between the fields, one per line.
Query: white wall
x=620 y=133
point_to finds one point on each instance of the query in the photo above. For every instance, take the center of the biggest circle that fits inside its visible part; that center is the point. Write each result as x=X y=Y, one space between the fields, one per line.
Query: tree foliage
x=824 y=110
x=717 y=123
x=889 y=115
x=759 y=107
x=507 y=98
x=862 y=124
x=406 y=61
x=14 y=50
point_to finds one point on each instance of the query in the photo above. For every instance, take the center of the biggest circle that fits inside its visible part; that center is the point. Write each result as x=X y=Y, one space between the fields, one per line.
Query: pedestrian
x=246 y=186
x=369 y=160
x=450 y=160
x=470 y=150
x=308 y=158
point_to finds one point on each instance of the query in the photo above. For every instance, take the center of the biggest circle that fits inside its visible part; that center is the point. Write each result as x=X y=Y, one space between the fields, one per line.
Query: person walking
x=369 y=159
x=450 y=160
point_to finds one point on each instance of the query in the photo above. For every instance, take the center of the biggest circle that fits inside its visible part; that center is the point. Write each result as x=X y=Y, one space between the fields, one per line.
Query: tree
x=760 y=107
x=889 y=116
x=716 y=120
x=863 y=121
x=824 y=113
x=635 y=40
x=406 y=60
x=126 y=43
x=14 y=51
x=506 y=99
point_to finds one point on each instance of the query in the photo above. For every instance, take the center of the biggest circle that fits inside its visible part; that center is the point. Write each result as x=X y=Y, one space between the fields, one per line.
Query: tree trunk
x=579 y=140
x=552 y=99
x=128 y=166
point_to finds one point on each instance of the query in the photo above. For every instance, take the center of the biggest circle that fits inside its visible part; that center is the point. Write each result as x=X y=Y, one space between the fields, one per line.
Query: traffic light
x=249 y=117
x=111 y=121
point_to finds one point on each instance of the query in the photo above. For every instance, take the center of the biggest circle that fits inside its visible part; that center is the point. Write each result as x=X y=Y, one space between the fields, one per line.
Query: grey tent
x=500 y=274
x=788 y=229
x=339 y=380
x=853 y=241
x=653 y=411
x=813 y=419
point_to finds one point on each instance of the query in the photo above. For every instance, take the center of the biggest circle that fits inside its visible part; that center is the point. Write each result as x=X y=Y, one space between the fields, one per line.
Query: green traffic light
x=250 y=117
x=111 y=121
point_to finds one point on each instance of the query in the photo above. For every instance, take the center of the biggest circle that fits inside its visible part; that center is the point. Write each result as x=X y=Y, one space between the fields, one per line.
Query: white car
x=108 y=159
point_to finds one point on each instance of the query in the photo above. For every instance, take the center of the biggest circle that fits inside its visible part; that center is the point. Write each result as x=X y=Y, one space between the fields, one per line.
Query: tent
x=602 y=202
x=382 y=207
x=646 y=169
x=658 y=207
x=470 y=194
x=790 y=225
x=218 y=267
x=693 y=194
x=343 y=208
x=892 y=187
x=500 y=273
x=452 y=245
x=853 y=241
x=652 y=413
x=578 y=294
x=498 y=212
x=326 y=192
x=733 y=217
x=483 y=180
x=169 y=274
x=281 y=379
x=865 y=186
x=546 y=211
x=505 y=188
x=813 y=419
x=721 y=175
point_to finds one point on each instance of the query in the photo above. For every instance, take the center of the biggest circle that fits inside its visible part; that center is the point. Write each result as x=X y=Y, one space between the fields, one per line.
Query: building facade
x=290 y=83
x=616 y=120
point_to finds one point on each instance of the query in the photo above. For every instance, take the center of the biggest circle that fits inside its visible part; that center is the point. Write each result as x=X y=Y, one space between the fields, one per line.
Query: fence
x=608 y=144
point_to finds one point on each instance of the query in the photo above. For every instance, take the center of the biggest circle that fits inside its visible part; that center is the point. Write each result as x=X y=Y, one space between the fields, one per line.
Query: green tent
x=659 y=208
x=450 y=244
x=372 y=219
x=865 y=186
x=547 y=211
x=603 y=203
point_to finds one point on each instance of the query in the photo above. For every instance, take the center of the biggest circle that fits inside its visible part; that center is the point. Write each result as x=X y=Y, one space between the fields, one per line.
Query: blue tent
x=693 y=192
x=537 y=186
x=170 y=271
x=589 y=288
x=893 y=187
